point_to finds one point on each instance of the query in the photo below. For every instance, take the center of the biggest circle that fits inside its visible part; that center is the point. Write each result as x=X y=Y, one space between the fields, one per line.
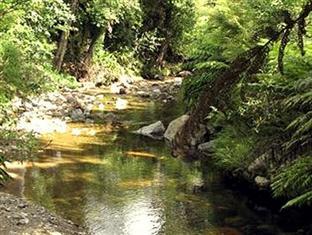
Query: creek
x=114 y=182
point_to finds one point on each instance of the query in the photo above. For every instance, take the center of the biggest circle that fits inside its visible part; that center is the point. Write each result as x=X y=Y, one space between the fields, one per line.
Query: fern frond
x=295 y=181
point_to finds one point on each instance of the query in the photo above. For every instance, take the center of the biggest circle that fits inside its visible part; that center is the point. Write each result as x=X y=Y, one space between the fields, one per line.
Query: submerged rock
x=77 y=115
x=143 y=94
x=155 y=130
x=174 y=127
x=110 y=118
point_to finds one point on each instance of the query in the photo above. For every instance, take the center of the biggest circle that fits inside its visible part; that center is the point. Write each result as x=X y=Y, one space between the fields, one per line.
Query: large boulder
x=174 y=127
x=155 y=130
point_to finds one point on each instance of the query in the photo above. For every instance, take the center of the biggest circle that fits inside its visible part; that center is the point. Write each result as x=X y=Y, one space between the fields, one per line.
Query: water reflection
x=115 y=182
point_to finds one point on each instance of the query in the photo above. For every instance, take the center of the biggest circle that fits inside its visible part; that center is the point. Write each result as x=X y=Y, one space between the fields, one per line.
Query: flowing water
x=115 y=182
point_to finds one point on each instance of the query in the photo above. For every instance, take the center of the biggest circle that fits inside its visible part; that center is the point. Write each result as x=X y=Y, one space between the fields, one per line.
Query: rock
x=122 y=91
x=28 y=106
x=42 y=126
x=121 y=104
x=126 y=80
x=101 y=107
x=174 y=127
x=22 y=205
x=155 y=130
x=76 y=132
x=89 y=121
x=58 y=154
x=178 y=81
x=17 y=103
x=110 y=118
x=99 y=96
x=207 y=147
x=159 y=77
x=55 y=233
x=99 y=84
x=262 y=182
x=258 y=166
x=95 y=115
x=157 y=91
x=23 y=221
x=77 y=115
x=185 y=73
x=115 y=88
x=143 y=94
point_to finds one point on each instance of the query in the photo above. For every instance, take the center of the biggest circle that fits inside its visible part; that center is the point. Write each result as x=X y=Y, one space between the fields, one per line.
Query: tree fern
x=301 y=126
x=295 y=182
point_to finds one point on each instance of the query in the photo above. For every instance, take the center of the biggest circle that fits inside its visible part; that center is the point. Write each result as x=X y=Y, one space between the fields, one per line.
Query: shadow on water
x=115 y=182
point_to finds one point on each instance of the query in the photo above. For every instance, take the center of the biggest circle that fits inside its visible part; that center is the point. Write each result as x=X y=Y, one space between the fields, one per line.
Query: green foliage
x=295 y=181
x=271 y=98
x=26 y=46
x=232 y=148
x=15 y=146
x=301 y=125
x=110 y=66
x=164 y=37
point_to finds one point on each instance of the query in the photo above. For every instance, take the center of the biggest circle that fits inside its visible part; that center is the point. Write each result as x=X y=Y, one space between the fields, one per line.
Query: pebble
x=22 y=205
x=23 y=221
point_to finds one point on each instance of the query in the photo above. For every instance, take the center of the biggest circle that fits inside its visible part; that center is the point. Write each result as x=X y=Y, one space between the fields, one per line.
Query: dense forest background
x=262 y=50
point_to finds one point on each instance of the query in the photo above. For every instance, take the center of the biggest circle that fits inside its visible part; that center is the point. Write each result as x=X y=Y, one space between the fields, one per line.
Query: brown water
x=115 y=182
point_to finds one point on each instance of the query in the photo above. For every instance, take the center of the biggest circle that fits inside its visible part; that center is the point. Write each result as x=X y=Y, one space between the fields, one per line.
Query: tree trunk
x=62 y=44
x=61 y=50
x=183 y=145
x=162 y=53
x=89 y=54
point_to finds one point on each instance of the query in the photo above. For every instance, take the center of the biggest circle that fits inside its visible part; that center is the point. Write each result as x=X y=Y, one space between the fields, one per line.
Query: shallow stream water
x=115 y=182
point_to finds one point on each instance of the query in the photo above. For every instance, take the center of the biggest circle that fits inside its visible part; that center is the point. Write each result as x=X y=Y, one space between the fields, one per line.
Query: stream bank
x=19 y=216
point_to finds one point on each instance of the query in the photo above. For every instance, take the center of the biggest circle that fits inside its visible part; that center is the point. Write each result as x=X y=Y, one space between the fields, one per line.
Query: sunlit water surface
x=115 y=182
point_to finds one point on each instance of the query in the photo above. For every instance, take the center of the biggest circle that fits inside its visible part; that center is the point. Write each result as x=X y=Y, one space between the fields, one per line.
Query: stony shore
x=20 y=217
x=50 y=112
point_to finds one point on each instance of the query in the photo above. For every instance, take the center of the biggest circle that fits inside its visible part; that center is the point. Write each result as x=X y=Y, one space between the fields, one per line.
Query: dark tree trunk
x=162 y=53
x=98 y=32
